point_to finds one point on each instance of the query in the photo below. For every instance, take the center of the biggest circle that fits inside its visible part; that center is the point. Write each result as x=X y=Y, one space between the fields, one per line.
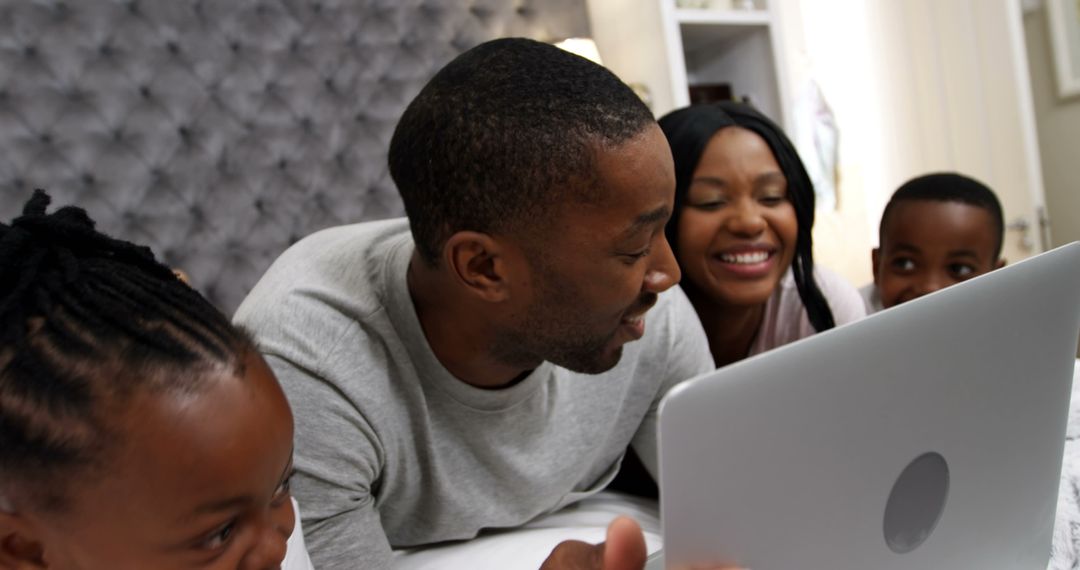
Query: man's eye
x=634 y=257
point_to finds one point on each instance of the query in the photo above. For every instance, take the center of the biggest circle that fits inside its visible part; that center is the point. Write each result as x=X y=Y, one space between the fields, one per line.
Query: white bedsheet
x=527 y=547
x=1065 y=553
x=296 y=556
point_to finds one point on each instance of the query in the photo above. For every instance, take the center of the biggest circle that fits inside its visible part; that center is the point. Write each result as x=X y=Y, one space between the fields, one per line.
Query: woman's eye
x=772 y=200
x=708 y=204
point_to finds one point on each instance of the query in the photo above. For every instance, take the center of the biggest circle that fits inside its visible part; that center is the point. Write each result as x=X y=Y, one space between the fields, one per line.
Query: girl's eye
x=219 y=538
x=772 y=200
x=284 y=488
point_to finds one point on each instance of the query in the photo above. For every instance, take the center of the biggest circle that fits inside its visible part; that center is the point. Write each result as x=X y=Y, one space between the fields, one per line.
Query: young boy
x=937 y=230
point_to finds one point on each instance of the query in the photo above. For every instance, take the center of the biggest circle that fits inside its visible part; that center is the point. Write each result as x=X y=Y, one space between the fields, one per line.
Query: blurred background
x=221 y=131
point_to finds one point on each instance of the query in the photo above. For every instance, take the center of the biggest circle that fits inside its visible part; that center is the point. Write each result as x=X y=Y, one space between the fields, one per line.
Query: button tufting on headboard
x=221 y=132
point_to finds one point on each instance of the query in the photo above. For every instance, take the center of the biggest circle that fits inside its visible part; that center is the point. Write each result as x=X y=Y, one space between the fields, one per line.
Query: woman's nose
x=745 y=219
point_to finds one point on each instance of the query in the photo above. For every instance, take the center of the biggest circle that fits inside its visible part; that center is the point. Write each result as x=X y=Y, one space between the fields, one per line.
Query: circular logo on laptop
x=916 y=502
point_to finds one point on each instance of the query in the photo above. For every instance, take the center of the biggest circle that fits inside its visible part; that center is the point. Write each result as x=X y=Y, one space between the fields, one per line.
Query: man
x=492 y=364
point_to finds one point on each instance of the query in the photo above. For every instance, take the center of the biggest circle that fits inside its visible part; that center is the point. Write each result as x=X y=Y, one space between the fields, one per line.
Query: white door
x=918 y=86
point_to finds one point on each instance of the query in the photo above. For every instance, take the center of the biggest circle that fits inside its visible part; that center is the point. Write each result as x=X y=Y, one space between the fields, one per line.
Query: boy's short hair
x=949 y=187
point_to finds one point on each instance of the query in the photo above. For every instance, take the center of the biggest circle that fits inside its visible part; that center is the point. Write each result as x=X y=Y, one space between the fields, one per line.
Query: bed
x=526 y=548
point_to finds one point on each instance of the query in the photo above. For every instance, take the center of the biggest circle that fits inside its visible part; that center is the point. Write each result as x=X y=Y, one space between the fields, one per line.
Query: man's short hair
x=503 y=135
x=949 y=187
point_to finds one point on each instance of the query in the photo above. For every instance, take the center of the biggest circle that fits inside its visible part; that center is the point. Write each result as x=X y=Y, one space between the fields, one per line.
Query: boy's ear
x=479 y=263
x=1000 y=263
x=875 y=256
x=18 y=549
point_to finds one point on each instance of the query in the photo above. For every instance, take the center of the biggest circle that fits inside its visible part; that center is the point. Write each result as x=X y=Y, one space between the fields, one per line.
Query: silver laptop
x=927 y=436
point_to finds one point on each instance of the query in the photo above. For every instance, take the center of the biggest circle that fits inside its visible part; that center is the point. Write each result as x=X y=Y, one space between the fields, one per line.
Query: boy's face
x=928 y=245
x=200 y=480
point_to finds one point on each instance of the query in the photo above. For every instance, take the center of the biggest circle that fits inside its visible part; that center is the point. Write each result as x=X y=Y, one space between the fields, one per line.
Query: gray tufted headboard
x=220 y=131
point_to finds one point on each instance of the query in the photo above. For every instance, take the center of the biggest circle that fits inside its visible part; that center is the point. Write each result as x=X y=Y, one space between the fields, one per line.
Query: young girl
x=741 y=231
x=138 y=428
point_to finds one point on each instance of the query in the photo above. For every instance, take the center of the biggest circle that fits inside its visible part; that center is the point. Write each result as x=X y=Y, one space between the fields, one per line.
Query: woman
x=741 y=231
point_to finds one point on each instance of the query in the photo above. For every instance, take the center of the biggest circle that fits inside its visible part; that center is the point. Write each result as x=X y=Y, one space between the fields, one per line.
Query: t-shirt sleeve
x=688 y=355
x=338 y=461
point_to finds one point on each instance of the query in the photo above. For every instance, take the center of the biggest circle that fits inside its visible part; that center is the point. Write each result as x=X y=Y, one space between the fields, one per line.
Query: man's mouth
x=634 y=321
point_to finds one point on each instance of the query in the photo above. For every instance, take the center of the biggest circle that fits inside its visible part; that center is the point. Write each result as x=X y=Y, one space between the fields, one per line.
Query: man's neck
x=731 y=329
x=457 y=330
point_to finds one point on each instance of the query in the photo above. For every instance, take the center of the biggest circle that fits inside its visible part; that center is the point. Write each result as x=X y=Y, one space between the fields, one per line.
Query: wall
x=1058 y=123
x=843 y=67
x=916 y=86
x=219 y=133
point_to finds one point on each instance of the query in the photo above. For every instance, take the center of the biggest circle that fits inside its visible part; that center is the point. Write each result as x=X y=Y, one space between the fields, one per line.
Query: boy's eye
x=961 y=270
x=903 y=264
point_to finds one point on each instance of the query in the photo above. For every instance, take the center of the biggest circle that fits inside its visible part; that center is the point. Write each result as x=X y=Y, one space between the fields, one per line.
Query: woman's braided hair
x=85 y=320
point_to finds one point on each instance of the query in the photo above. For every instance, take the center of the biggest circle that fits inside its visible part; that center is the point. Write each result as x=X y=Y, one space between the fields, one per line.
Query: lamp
x=585 y=47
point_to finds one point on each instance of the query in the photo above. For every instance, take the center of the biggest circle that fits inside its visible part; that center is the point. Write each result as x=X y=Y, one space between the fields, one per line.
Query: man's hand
x=624 y=549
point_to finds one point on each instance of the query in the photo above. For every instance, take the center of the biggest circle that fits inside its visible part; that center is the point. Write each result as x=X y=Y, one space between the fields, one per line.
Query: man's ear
x=19 y=550
x=479 y=262
x=1000 y=263
x=875 y=256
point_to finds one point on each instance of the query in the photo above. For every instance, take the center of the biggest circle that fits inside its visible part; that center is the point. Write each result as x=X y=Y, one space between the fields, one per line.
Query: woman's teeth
x=744 y=258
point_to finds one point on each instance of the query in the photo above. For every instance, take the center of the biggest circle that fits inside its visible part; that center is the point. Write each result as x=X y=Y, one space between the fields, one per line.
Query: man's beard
x=528 y=346
x=552 y=331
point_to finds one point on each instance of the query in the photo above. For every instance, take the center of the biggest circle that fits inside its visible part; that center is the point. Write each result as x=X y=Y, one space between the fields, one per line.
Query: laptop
x=929 y=435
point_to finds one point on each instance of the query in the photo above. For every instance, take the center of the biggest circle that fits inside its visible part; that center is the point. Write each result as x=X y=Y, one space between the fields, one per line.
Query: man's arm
x=337 y=461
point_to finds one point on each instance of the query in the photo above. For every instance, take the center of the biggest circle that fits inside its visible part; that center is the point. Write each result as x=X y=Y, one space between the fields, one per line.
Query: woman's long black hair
x=690 y=129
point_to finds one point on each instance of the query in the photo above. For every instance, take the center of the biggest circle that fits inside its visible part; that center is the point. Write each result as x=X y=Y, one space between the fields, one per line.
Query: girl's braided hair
x=85 y=321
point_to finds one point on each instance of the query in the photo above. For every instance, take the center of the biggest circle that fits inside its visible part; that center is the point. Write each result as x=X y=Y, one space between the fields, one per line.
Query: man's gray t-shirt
x=392 y=450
